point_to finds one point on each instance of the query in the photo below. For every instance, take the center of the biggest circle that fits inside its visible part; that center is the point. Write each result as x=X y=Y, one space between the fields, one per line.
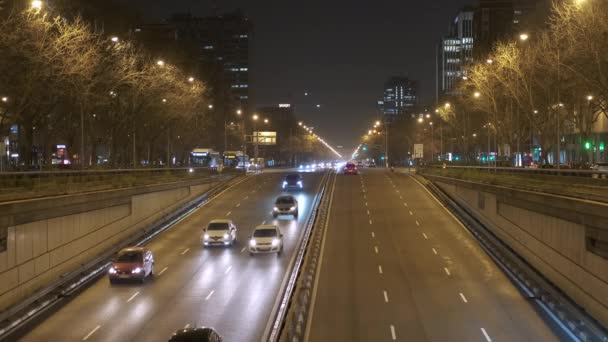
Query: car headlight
x=112 y=270
x=206 y=236
x=252 y=243
x=275 y=209
x=300 y=183
x=301 y=166
x=284 y=184
x=136 y=270
x=293 y=208
x=275 y=242
x=226 y=236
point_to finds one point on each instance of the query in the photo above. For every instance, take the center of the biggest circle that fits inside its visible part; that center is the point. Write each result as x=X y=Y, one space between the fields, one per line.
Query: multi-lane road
x=193 y=286
x=396 y=266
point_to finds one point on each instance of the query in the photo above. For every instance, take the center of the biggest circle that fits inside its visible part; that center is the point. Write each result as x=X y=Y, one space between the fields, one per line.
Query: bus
x=236 y=159
x=206 y=157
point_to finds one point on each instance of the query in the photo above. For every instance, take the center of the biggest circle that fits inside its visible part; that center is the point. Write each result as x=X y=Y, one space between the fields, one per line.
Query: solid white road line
x=385 y=297
x=228 y=213
x=464 y=299
x=447 y=271
x=400 y=197
x=163 y=270
x=486 y=335
x=133 y=296
x=376 y=249
x=367 y=211
x=393 y=335
x=425 y=237
x=405 y=204
x=434 y=251
x=244 y=248
x=187 y=326
x=228 y=270
x=185 y=251
x=373 y=235
x=209 y=295
x=417 y=223
x=379 y=269
x=91 y=333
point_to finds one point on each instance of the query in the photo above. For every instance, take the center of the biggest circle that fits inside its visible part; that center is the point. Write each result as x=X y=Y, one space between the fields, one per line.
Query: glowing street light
x=4 y=99
x=477 y=94
x=428 y=116
x=447 y=105
x=266 y=121
x=523 y=37
x=164 y=100
x=465 y=78
x=37 y=4
x=190 y=79
x=239 y=112
x=160 y=62
x=114 y=39
x=255 y=117
x=420 y=119
x=489 y=61
x=589 y=97
x=300 y=123
x=378 y=123
x=369 y=132
x=210 y=106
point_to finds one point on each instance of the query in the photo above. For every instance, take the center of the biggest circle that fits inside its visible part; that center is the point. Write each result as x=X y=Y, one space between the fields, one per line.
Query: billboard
x=418 y=151
x=265 y=138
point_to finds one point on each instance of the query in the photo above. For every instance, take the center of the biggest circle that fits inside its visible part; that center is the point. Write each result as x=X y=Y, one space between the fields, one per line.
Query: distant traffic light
x=587 y=145
x=364 y=148
x=602 y=146
x=382 y=158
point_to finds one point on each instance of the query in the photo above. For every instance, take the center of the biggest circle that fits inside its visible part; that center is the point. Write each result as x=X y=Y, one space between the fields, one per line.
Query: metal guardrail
x=96 y=172
x=538 y=171
x=573 y=319
x=16 y=318
x=294 y=285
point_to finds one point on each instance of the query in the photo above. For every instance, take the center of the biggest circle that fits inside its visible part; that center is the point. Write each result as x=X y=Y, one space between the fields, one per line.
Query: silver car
x=285 y=205
x=266 y=239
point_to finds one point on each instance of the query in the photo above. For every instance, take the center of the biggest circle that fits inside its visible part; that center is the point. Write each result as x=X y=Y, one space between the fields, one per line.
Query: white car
x=266 y=239
x=219 y=232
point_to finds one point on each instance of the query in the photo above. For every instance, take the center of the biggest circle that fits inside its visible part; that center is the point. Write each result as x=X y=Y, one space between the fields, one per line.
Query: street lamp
x=589 y=97
x=37 y=4
x=4 y=99
x=378 y=123
x=428 y=116
x=447 y=105
x=239 y=112
x=255 y=117
x=190 y=79
x=489 y=61
x=523 y=37
x=114 y=39
x=420 y=119
x=477 y=94
x=160 y=62
x=300 y=123
x=210 y=106
x=265 y=121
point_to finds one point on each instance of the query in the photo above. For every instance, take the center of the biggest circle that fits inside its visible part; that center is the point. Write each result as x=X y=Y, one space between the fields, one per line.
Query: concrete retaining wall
x=562 y=238
x=45 y=238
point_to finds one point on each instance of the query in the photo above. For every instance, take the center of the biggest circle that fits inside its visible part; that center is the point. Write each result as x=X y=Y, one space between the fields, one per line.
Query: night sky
x=339 y=51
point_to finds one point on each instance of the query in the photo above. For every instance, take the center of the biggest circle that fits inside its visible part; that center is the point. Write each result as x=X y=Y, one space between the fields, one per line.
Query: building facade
x=400 y=97
x=456 y=51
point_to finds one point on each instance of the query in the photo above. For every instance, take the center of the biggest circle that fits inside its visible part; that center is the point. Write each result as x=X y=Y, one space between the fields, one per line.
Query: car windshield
x=265 y=233
x=293 y=178
x=217 y=226
x=129 y=257
x=285 y=200
x=350 y=166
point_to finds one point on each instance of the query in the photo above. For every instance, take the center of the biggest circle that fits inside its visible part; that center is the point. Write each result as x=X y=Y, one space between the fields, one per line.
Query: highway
x=397 y=267
x=224 y=288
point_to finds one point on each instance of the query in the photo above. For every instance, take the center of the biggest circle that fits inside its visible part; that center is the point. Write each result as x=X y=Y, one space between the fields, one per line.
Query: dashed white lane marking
x=373 y=234
x=209 y=295
x=434 y=251
x=244 y=248
x=264 y=222
x=411 y=213
x=228 y=270
x=367 y=211
x=376 y=249
x=238 y=205
x=133 y=296
x=370 y=221
x=405 y=204
x=185 y=251
x=187 y=326
x=393 y=334
x=379 y=269
x=366 y=204
x=91 y=333
x=425 y=237
x=270 y=212
x=385 y=297
x=163 y=270
x=417 y=223
x=228 y=213
x=447 y=271
x=400 y=197
x=464 y=299
x=486 y=335
x=246 y=197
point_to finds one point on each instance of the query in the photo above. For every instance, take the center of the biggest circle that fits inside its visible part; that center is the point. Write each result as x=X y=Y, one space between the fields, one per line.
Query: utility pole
x=386 y=162
x=168 y=146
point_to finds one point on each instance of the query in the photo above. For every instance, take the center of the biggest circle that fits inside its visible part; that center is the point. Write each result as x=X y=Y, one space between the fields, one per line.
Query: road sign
x=265 y=138
x=418 y=151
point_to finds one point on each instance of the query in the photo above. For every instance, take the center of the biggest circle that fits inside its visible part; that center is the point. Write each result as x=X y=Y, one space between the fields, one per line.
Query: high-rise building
x=400 y=97
x=456 y=51
x=505 y=19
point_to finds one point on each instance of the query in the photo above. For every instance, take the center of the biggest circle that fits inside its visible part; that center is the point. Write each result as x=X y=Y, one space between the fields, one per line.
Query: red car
x=350 y=169
x=132 y=263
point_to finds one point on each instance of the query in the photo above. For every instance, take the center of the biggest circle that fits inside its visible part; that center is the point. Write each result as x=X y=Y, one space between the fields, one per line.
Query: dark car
x=196 y=335
x=293 y=182
x=350 y=169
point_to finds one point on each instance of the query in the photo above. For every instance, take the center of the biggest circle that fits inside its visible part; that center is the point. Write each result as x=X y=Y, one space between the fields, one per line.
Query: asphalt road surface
x=397 y=266
x=224 y=288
